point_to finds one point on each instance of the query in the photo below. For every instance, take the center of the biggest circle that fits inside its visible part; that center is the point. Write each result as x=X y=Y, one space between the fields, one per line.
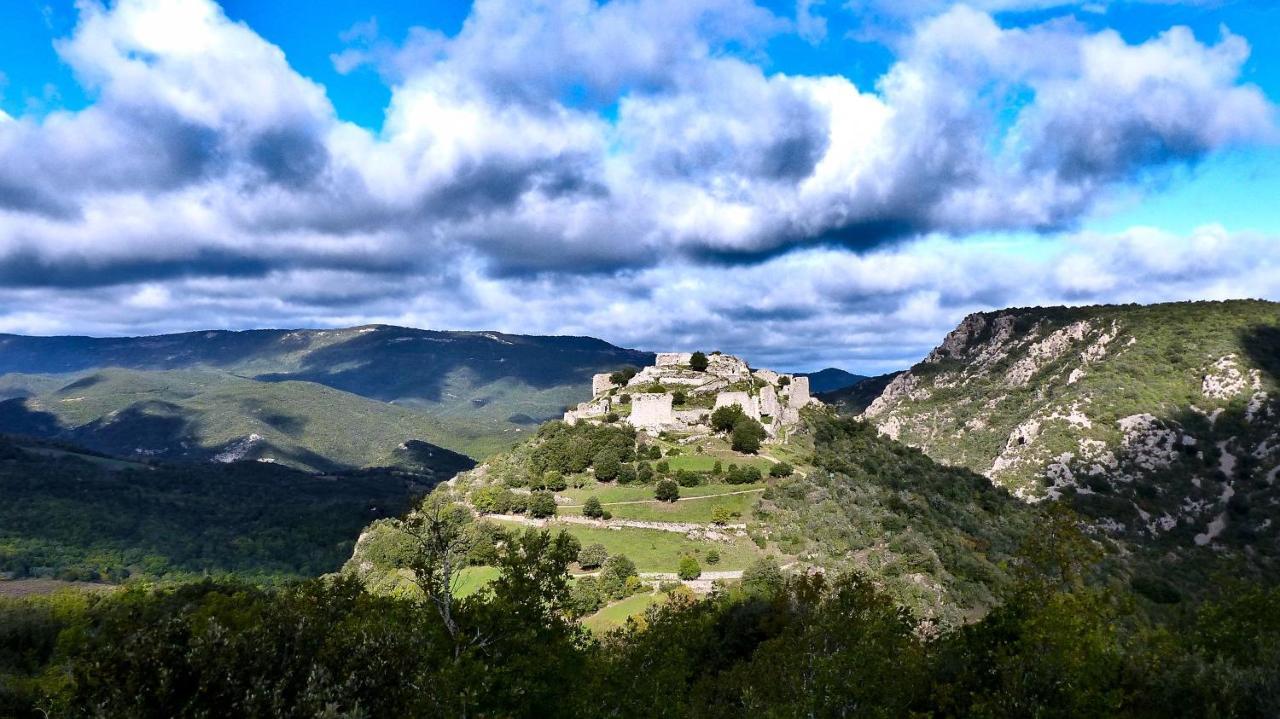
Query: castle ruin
x=671 y=396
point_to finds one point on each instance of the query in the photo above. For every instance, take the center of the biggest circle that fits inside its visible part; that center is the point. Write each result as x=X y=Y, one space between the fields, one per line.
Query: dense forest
x=69 y=514
x=773 y=645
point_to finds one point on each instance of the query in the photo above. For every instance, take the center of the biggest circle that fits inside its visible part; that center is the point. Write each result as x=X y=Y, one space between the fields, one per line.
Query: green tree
x=713 y=556
x=724 y=418
x=644 y=473
x=721 y=516
x=698 y=362
x=666 y=491
x=781 y=469
x=623 y=375
x=542 y=504
x=592 y=556
x=607 y=465
x=585 y=597
x=747 y=435
x=614 y=575
x=764 y=576
x=688 y=478
x=627 y=474
x=688 y=568
x=553 y=481
x=592 y=508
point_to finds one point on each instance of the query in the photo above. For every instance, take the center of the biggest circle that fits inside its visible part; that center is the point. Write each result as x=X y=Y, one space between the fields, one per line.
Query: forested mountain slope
x=472 y=392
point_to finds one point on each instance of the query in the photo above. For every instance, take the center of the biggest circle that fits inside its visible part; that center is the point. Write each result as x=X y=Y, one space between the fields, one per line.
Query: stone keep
x=600 y=384
x=768 y=401
x=742 y=399
x=799 y=396
x=651 y=411
x=667 y=359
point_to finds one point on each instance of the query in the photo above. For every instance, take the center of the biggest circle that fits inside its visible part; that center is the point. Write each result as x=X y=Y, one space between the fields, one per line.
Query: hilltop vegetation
x=72 y=515
x=198 y=394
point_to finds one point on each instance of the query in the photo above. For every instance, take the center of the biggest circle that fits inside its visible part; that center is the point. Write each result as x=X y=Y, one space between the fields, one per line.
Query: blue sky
x=806 y=182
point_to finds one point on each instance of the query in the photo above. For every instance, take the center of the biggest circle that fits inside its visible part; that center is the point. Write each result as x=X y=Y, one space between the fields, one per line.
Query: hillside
x=208 y=415
x=76 y=515
x=476 y=392
x=831 y=379
x=856 y=397
x=1160 y=422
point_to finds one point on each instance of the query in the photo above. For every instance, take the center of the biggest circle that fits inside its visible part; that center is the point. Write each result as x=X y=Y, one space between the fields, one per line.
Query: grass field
x=654 y=550
x=471 y=579
x=694 y=510
x=707 y=462
x=607 y=493
x=615 y=615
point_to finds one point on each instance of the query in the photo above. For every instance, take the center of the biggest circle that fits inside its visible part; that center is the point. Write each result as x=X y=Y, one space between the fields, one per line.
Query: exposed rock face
x=798 y=393
x=1141 y=406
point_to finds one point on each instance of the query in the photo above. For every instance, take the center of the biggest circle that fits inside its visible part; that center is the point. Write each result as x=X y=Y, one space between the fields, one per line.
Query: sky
x=805 y=183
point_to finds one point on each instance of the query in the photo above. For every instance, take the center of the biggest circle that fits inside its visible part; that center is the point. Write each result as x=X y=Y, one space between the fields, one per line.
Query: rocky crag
x=1160 y=422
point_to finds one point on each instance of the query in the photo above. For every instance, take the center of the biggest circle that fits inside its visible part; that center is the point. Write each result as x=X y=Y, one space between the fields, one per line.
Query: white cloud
x=627 y=169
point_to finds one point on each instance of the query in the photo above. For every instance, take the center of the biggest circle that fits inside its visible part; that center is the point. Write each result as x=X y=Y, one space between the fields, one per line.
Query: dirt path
x=681 y=499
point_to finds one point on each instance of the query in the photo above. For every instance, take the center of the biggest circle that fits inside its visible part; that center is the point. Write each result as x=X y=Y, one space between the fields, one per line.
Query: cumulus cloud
x=593 y=162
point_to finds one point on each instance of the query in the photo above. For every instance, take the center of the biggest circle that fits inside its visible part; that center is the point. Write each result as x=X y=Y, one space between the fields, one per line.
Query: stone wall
x=651 y=411
x=799 y=396
x=748 y=403
x=666 y=359
x=767 y=375
x=587 y=410
x=768 y=401
x=600 y=384
x=728 y=366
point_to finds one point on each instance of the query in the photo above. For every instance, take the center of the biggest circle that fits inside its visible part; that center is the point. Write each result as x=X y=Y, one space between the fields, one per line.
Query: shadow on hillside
x=1262 y=344
x=396 y=363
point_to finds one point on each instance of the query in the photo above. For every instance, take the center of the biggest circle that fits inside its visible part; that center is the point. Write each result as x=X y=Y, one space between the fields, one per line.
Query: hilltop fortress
x=674 y=395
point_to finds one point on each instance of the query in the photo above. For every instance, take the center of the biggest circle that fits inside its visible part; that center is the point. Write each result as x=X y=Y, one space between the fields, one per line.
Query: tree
x=592 y=508
x=553 y=481
x=713 y=556
x=721 y=516
x=718 y=469
x=724 y=418
x=764 y=576
x=585 y=597
x=542 y=504
x=666 y=491
x=614 y=575
x=623 y=375
x=592 y=556
x=698 y=362
x=688 y=478
x=627 y=474
x=747 y=435
x=688 y=568
x=784 y=381
x=607 y=465
x=644 y=473
x=679 y=397
x=781 y=469
x=492 y=499
x=441 y=543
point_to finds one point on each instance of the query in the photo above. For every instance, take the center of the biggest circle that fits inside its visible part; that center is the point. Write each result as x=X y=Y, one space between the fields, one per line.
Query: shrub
x=784 y=381
x=781 y=469
x=492 y=499
x=542 y=504
x=698 y=362
x=615 y=573
x=679 y=397
x=585 y=597
x=592 y=508
x=592 y=556
x=742 y=475
x=747 y=435
x=718 y=469
x=553 y=481
x=713 y=556
x=663 y=467
x=655 y=452
x=687 y=478
x=607 y=465
x=724 y=418
x=626 y=474
x=611 y=417
x=764 y=575
x=623 y=375
x=644 y=473
x=688 y=568
x=519 y=503
x=624 y=398
x=721 y=516
x=666 y=491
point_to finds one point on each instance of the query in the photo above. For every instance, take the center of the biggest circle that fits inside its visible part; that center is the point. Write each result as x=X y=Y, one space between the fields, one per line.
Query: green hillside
x=72 y=515
x=483 y=390
x=214 y=415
